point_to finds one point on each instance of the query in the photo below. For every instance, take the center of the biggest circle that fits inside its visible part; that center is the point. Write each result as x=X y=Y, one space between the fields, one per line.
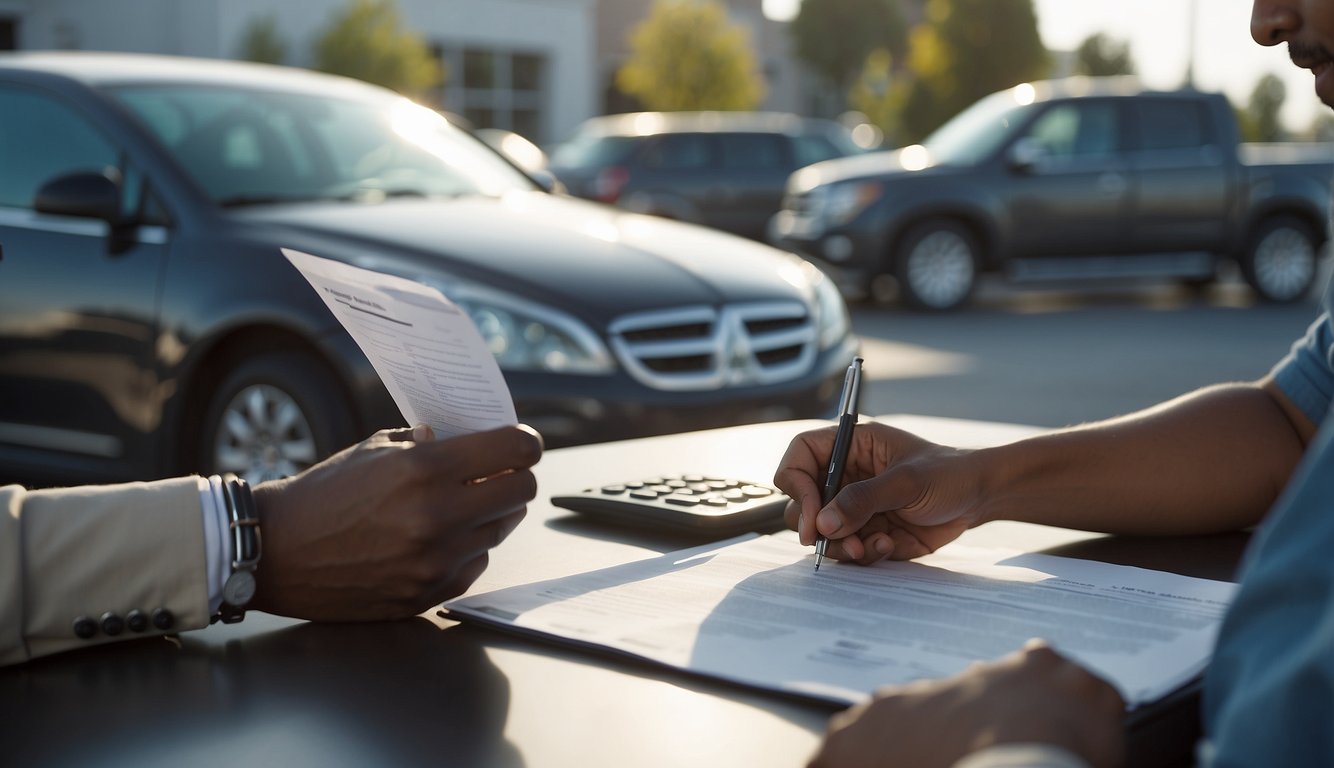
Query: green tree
x=1262 y=121
x=367 y=41
x=262 y=42
x=873 y=95
x=836 y=37
x=965 y=50
x=1101 y=56
x=687 y=56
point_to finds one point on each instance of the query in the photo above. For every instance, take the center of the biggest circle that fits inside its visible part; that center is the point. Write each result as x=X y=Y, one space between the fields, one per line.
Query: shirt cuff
x=216 y=546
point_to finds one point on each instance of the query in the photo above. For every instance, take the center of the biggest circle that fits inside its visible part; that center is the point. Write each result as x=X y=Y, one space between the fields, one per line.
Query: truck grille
x=702 y=348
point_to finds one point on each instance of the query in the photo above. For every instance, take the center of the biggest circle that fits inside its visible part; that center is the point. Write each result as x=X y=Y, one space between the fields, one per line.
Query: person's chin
x=1324 y=83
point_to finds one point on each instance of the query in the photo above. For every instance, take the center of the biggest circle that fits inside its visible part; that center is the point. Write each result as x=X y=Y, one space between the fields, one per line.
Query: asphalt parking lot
x=1058 y=355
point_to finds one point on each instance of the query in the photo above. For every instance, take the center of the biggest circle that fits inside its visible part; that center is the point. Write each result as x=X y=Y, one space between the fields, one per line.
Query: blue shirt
x=1269 y=691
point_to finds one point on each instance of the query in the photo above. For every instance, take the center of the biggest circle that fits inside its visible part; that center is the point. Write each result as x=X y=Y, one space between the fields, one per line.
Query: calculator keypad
x=693 y=501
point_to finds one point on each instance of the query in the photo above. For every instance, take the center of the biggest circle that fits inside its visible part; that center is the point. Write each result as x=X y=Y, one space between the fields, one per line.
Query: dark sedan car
x=725 y=170
x=149 y=324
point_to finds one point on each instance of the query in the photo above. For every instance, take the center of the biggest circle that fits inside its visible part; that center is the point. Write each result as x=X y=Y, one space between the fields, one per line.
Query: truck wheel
x=1280 y=260
x=272 y=416
x=937 y=265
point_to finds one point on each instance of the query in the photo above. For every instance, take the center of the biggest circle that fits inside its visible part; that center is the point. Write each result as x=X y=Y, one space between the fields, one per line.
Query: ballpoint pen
x=847 y=419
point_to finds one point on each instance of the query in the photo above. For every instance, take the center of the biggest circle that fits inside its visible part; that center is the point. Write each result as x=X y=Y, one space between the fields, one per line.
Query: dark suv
x=725 y=170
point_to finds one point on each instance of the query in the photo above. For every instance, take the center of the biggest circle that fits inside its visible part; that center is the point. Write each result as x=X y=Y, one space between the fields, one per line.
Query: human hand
x=902 y=496
x=1031 y=696
x=393 y=525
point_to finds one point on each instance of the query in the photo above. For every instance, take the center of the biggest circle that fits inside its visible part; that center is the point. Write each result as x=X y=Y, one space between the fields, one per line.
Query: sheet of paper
x=754 y=611
x=425 y=348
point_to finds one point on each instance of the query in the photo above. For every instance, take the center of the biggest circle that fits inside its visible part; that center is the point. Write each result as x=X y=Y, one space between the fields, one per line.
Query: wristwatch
x=239 y=588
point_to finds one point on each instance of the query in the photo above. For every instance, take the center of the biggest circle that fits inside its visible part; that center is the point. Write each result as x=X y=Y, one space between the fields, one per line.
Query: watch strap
x=243 y=531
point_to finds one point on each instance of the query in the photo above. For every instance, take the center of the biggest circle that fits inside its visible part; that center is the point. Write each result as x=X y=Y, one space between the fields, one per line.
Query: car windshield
x=592 y=151
x=973 y=134
x=245 y=146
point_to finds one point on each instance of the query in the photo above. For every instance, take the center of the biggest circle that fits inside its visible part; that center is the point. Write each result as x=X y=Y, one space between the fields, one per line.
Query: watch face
x=238 y=590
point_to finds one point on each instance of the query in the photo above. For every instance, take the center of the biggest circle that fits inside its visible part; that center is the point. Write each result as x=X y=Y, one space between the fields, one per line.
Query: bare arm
x=1212 y=460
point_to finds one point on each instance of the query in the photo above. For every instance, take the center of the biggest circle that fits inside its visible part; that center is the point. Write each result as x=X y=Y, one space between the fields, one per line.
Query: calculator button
x=613 y=489
x=643 y=493
x=734 y=495
x=693 y=478
x=634 y=484
x=756 y=491
x=660 y=489
x=716 y=501
x=682 y=501
x=701 y=487
x=675 y=483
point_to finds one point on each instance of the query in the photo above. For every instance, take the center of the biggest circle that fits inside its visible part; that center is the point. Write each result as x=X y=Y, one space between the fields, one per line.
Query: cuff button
x=85 y=627
x=136 y=621
x=163 y=619
x=112 y=624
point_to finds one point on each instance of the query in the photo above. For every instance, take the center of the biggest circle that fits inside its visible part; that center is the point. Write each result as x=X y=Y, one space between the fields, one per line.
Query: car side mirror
x=86 y=194
x=1026 y=153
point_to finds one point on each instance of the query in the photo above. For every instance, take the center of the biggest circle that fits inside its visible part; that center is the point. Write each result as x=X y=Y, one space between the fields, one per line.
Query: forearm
x=1213 y=460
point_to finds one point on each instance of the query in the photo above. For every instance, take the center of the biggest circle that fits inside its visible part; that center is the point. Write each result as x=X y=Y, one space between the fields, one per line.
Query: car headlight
x=527 y=336
x=844 y=201
x=832 y=322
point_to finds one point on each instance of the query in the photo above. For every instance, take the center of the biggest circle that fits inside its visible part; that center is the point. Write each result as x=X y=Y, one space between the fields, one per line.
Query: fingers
x=798 y=476
x=486 y=454
x=477 y=504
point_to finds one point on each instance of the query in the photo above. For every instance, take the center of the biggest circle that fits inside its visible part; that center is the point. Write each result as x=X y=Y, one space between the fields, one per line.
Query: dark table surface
x=428 y=691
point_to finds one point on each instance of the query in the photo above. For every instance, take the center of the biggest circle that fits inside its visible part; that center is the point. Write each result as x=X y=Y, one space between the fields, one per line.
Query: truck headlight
x=844 y=201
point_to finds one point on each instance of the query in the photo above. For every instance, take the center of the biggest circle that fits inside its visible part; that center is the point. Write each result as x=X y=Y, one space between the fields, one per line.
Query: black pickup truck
x=1066 y=179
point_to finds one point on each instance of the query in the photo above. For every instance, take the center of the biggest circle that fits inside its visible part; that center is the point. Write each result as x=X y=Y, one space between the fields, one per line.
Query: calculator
x=691 y=503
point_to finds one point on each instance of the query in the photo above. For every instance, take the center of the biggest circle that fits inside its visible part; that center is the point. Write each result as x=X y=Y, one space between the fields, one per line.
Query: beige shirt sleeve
x=92 y=564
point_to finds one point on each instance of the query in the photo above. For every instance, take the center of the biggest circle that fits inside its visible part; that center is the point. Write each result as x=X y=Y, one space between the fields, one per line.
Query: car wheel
x=272 y=416
x=1280 y=261
x=937 y=265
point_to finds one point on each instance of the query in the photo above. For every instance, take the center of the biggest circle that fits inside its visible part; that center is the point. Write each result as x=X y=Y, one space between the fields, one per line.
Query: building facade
x=524 y=65
x=537 y=67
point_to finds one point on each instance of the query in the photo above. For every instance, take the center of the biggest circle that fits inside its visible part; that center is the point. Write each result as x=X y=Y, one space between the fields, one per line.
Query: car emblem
x=739 y=363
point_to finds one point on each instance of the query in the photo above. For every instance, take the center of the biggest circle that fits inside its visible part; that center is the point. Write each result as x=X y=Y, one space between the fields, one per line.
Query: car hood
x=554 y=249
x=900 y=163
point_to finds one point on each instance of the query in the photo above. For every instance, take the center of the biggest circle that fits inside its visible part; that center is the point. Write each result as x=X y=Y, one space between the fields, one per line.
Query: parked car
x=149 y=324
x=1076 y=178
x=725 y=170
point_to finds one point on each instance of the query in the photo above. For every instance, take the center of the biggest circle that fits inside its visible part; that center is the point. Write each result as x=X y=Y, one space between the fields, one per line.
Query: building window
x=497 y=88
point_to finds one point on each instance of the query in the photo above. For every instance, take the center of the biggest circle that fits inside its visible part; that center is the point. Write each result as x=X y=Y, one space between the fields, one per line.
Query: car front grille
x=702 y=348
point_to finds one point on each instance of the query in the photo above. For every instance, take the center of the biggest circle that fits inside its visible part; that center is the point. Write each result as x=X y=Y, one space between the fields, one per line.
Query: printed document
x=425 y=348
x=753 y=610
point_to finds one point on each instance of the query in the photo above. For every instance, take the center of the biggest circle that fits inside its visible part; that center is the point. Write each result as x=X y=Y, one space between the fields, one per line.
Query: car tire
x=937 y=265
x=1280 y=261
x=273 y=415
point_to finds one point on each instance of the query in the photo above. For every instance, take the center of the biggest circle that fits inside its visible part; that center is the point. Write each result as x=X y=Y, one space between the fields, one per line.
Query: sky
x=1159 y=34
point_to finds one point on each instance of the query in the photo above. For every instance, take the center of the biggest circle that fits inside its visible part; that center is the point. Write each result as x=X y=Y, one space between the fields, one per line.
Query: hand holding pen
x=838 y=458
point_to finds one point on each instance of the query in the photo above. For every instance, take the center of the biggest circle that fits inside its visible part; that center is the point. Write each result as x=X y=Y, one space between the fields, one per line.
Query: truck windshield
x=973 y=134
